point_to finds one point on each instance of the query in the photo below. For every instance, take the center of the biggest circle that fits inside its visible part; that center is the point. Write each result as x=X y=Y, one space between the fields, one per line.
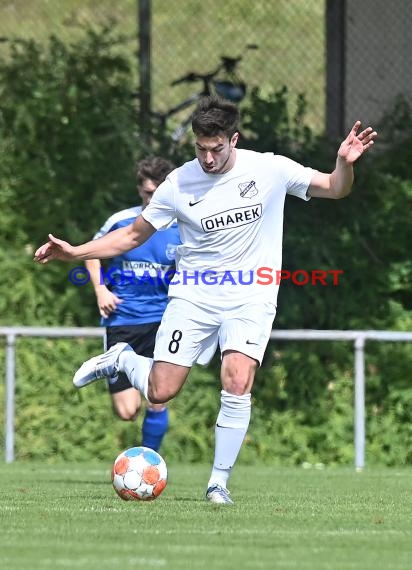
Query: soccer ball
x=139 y=474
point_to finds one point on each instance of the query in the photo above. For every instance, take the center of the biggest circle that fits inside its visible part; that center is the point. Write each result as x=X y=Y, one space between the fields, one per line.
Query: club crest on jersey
x=171 y=251
x=248 y=189
x=232 y=218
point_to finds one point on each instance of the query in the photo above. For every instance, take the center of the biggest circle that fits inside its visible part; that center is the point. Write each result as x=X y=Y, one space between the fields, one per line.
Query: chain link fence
x=378 y=58
x=348 y=66
x=192 y=36
x=288 y=35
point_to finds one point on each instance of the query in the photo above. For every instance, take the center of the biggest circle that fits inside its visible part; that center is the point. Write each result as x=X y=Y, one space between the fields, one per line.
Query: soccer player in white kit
x=228 y=204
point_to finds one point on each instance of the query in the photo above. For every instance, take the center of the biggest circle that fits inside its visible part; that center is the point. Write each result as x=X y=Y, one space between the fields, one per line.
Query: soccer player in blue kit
x=228 y=204
x=131 y=293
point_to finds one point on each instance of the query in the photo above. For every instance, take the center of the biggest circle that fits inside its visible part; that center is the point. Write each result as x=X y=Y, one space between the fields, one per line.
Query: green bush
x=70 y=124
x=68 y=143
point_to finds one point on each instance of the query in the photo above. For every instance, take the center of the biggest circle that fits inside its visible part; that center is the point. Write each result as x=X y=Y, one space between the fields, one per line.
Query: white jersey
x=231 y=226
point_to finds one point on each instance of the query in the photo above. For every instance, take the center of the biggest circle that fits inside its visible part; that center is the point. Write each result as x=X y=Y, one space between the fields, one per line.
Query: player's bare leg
x=126 y=404
x=165 y=381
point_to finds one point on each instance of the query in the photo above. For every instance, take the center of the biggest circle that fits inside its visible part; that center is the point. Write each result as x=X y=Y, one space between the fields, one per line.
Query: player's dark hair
x=155 y=168
x=213 y=116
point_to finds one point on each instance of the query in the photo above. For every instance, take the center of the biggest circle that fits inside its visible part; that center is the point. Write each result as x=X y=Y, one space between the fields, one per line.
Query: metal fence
x=351 y=59
x=191 y=36
x=358 y=338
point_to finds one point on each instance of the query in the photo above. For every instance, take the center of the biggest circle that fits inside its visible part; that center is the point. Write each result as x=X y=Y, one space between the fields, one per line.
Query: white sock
x=231 y=427
x=137 y=369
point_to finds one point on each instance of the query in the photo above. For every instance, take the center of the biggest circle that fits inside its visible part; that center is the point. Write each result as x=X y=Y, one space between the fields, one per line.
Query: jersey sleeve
x=105 y=229
x=161 y=211
x=297 y=177
x=118 y=219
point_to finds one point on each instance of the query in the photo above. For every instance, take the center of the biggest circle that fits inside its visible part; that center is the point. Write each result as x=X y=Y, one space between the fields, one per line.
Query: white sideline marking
x=108 y=562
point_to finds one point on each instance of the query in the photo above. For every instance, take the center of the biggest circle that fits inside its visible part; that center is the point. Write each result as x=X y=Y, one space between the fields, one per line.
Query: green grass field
x=68 y=516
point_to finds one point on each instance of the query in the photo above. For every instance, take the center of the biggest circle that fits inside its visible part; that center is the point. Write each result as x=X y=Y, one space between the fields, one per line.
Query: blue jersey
x=139 y=277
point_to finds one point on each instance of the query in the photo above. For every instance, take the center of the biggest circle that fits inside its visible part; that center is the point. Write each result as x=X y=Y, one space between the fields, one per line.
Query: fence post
x=145 y=73
x=10 y=396
x=359 y=403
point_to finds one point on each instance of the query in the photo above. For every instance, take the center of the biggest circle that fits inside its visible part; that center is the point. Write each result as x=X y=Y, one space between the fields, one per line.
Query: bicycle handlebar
x=191 y=77
x=227 y=64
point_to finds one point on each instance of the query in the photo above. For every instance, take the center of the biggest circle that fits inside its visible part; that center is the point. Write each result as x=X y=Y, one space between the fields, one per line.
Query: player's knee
x=165 y=381
x=237 y=374
x=237 y=384
x=161 y=392
x=159 y=396
x=126 y=413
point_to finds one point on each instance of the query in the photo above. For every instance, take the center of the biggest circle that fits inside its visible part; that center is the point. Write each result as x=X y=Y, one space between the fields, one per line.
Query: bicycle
x=228 y=85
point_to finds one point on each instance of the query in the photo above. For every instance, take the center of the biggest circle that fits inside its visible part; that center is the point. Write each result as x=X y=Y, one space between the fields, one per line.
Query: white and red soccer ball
x=139 y=474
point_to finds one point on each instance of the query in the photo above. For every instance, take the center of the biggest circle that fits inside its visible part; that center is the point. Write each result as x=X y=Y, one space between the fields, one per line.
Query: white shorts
x=190 y=334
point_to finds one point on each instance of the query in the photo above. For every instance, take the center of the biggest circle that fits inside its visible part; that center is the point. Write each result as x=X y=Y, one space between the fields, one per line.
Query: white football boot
x=218 y=495
x=102 y=366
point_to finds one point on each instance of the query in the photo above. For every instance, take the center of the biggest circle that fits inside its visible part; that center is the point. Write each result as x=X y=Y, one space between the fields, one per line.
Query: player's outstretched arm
x=338 y=184
x=112 y=244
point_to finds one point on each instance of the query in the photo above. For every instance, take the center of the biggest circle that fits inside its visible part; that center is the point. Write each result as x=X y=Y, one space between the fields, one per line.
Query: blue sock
x=154 y=427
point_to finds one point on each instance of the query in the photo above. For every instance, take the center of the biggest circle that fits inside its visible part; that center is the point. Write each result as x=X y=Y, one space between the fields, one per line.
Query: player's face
x=216 y=155
x=146 y=190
